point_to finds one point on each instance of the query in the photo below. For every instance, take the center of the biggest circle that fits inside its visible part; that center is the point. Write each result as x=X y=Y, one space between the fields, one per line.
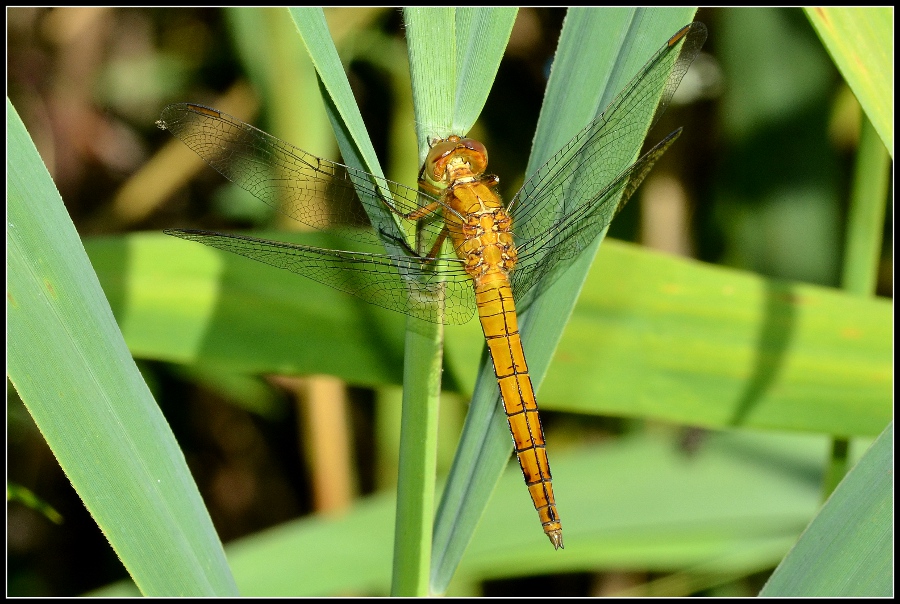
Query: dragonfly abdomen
x=497 y=312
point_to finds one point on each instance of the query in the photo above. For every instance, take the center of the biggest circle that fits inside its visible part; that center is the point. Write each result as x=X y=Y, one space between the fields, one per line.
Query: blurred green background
x=758 y=181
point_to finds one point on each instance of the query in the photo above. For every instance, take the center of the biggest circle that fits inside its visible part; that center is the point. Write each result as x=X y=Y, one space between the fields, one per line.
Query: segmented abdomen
x=497 y=312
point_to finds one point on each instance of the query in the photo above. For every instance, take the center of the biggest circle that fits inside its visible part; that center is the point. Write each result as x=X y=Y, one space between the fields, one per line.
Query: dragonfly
x=454 y=248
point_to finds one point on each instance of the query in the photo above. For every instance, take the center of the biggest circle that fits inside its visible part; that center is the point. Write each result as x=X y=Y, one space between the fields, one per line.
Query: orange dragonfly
x=500 y=251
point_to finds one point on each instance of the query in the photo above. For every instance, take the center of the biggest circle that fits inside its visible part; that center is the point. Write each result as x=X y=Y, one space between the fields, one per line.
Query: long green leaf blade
x=346 y=120
x=652 y=336
x=422 y=367
x=861 y=42
x=847 y=550
x=454 y=54
x=70 y=365
x=734 y=507
x=866 y=217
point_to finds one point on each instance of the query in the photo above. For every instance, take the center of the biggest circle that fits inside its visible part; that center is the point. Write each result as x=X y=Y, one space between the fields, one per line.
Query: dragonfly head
x=455 y=157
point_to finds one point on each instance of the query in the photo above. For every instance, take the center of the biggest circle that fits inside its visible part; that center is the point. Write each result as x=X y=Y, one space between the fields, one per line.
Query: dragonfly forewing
x=436 y=290
x=541 y=257
x=312 y=190
x=576 y=189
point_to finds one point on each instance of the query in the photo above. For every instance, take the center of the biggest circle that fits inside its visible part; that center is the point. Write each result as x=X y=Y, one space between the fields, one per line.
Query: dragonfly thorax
x=487 y=243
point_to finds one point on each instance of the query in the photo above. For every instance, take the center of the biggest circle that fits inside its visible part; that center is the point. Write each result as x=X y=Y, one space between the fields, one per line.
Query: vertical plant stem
x=865 y=220
x=862 y=249
x=418 y=453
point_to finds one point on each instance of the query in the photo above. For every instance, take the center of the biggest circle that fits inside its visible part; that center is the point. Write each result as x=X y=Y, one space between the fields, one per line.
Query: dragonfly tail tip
x=556 y=538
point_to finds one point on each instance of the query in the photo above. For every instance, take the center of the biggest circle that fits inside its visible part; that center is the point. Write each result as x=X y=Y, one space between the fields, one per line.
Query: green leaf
x=346 y=120
x=861 y=42
x=847 y=550
x=678 y=340
x=732 y=508
x=25 y=496
x=69 y=363
x=280 y=69
x=343 y=110
x=422 y=367
x=651 y=336
x=454 y=54
x=191 y=304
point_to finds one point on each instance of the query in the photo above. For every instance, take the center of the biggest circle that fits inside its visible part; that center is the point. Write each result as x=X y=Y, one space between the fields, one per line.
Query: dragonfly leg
x=427 y=258
x=422 y=212
x=428 y=187
x=436 y=248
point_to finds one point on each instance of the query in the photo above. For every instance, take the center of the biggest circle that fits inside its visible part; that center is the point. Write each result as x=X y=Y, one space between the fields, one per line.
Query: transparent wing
x=406 y=284
x=578 y=191
x=541 y=256
x=314 y=191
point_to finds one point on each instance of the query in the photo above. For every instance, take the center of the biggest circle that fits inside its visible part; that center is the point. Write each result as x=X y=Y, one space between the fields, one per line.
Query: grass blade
x=70 y=365
x=651 y=336
x=847 y=550
x=422 y=368
x=454 y=54
x=866 y=218
x=861 y=42
x=732 y=508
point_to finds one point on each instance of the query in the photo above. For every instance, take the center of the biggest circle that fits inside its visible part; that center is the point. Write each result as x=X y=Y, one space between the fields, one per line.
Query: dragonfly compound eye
x=438 y=156
x=475 y=153
x=466 y=151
